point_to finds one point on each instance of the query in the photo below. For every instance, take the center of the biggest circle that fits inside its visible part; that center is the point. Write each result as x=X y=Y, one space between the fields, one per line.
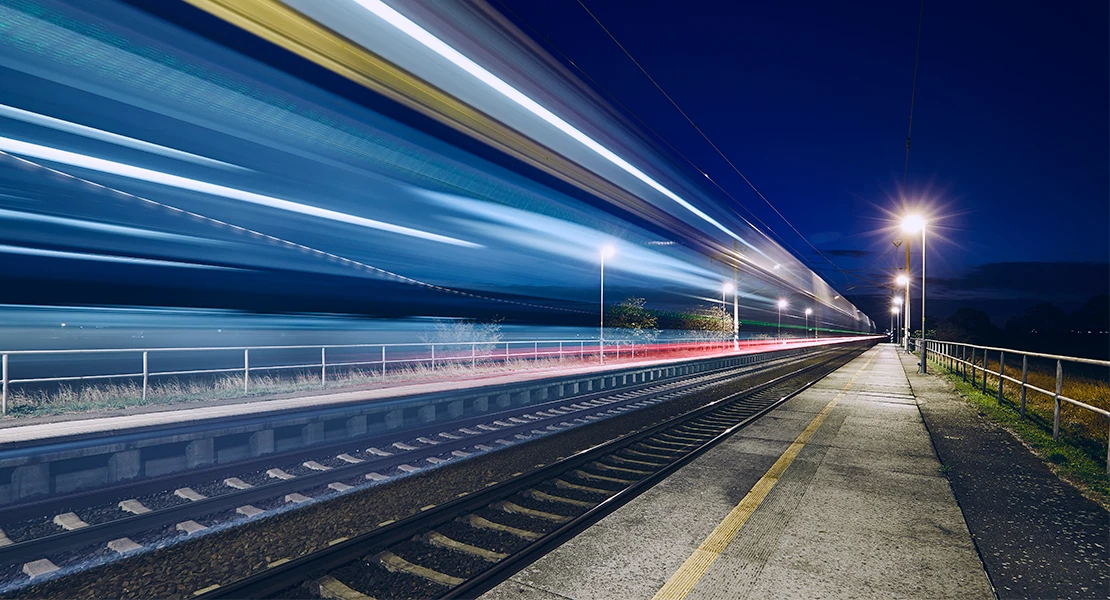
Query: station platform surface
x=836 y=493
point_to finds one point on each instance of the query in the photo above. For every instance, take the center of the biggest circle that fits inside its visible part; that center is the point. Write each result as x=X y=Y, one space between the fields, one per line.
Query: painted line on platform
x=682 y=582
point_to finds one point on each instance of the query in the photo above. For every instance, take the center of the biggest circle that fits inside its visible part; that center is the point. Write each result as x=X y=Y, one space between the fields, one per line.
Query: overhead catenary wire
x=704 y=136
x=913 y=96
x=613 y=97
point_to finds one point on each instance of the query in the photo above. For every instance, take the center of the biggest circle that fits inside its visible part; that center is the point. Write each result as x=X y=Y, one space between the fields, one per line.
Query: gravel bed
x=297 y=470
x=257 y=478
x=77 y=556
x=374 y=581
x=297 y=592
x=160 y=500
x=181 y=569
x=102 y=514
x=212 y=488
x=32 y=529
x=153 y=537
x=11 y=572
x=445 y=561
x=482 y=538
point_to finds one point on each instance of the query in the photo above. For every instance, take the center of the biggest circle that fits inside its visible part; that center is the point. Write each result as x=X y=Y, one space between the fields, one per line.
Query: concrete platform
x=838 y=493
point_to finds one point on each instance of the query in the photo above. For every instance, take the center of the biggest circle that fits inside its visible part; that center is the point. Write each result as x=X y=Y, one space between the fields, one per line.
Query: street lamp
x=893 y=320
x=782 y=305
x=911 y=224
x=809 y=311
x=904 y=281
x=731 y=289
x=607 y=251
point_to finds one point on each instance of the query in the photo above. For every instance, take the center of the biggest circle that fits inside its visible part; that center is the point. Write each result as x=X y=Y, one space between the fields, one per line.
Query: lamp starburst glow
x=727 y=288
x=913 y=223
x=607 y=251
x=782 y=304
x=902 y=280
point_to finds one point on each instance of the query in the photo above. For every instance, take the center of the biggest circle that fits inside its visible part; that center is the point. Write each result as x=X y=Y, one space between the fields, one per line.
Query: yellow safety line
x=697 y=565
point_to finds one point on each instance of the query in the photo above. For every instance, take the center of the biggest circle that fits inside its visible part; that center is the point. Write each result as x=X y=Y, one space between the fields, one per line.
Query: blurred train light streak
x=114 y=138
x=139 y=173
x=402 y=23
x=6 y=249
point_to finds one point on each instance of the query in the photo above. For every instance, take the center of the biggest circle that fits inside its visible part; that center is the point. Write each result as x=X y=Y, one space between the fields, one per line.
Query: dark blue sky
x=811 y=101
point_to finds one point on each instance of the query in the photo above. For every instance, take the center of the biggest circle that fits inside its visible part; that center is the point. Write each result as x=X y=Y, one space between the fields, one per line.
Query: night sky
x=811 y=101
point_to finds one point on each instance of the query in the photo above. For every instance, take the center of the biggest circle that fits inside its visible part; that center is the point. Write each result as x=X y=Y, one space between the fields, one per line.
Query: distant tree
x=969 y=326
x=707 y=322
x=1094 y=316
x=465 y=332
x=1045 y=318
x=633 y=318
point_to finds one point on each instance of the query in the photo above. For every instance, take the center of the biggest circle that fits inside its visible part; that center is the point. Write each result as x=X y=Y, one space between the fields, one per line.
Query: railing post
x=146 y=374
x=972 y=363
x=1056 y=400
x=474 y=356
x=536 y=352
x=4 y=393
x=581 y=350
x=383 y=360
x=633 y=347
x=506 y=353
x=323 y=365
x=1024 y=378
x=433 y=357
x=1001 y=373
x=963 y=361
x=984 y=382
x=560 y=352
x=246 y=370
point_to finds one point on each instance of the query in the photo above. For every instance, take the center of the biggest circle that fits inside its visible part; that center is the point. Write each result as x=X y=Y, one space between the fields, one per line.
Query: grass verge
x=1068 y=457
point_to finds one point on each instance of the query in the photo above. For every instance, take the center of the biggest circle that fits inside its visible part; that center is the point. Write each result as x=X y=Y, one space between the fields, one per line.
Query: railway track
x=105 y=524
x=463 y=548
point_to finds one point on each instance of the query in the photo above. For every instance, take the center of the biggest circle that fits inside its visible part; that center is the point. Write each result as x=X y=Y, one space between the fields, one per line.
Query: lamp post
x=730 y=288
x=606 y=252
x=903 y=280
x=911 y=224
x=782 y=305
x=897 y=318
x=894 y=320
x=809 y=311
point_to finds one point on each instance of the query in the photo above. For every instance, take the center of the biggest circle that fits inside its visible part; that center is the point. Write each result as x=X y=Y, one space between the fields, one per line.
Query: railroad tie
x=395 y=563
x=513 y=508
x=439 y=540
x=600 y=465
x=331 y=588
x=566 y=485
x=545 y=497
x=595 y=477
x=481 y=523
x=633 y=461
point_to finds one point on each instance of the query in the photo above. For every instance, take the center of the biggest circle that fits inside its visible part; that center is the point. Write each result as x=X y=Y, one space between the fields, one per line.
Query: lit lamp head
x=782 y=304
x=898 y=301
x=913 y=223
x=894 y=310
x=903 y=281
x=607 y=251
x=809 y=311
x=728 y=288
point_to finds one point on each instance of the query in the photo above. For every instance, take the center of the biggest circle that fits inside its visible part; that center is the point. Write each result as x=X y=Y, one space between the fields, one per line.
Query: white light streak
x=419 y=34
x=114 y=138
x=4 y=248
x=133 y=172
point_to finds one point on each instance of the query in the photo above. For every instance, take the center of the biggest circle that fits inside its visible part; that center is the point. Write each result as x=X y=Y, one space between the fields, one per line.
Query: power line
x=704 y=136
x=913 y=95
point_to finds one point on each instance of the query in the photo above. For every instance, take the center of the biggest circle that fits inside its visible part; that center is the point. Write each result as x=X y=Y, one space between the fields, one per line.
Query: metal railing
x=960 y=358
x=408 y=354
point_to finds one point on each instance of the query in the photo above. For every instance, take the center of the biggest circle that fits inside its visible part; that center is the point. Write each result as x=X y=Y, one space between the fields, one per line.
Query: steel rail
x=35 y=548
x=280 y=577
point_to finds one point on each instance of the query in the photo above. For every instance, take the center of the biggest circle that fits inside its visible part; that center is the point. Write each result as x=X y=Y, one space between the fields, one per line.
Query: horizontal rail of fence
x=385 y=356
x=960 y=358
